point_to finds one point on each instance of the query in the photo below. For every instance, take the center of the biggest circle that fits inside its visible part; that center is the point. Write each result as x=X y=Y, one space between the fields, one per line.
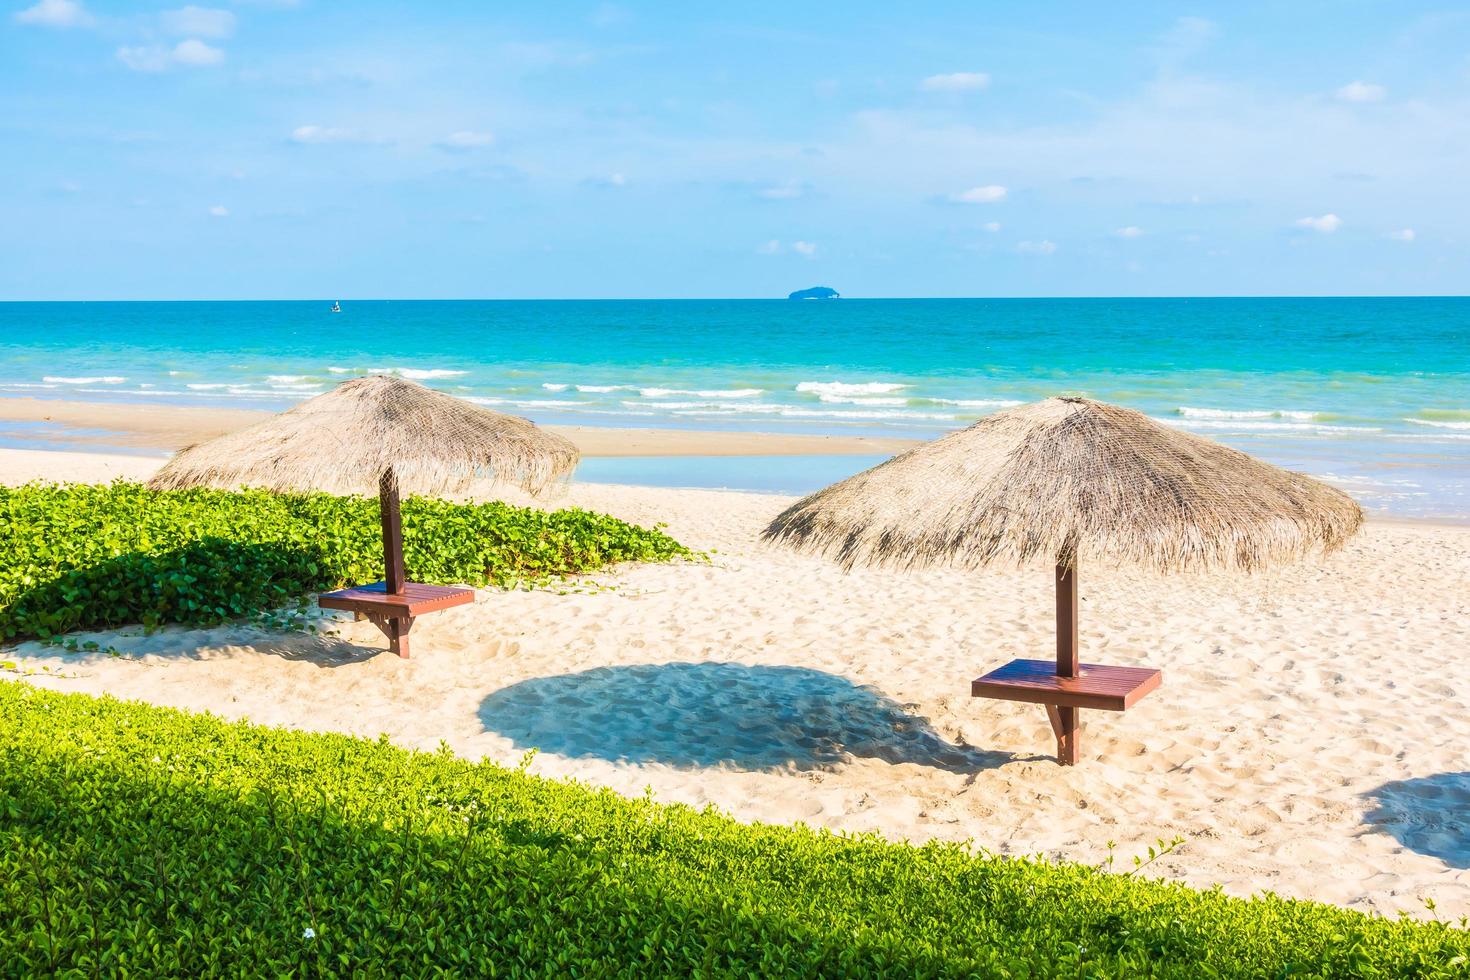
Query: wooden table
x=394 y=612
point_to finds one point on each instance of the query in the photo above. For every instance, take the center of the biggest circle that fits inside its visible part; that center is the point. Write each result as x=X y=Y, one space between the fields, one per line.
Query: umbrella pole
x=1064 y=721
x=392 y=532
x=393 y=577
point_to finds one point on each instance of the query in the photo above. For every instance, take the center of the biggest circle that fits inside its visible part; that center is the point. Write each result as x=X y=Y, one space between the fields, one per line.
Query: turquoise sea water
x=1373 y=394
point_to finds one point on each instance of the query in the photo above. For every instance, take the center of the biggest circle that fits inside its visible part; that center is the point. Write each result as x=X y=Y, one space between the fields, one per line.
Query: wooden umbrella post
x=1064 y=720
x=1066 y=689
x=394 y=578
x=388 y=509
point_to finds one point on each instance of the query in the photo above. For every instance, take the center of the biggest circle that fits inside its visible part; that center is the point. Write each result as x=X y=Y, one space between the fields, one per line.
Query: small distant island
x=816 y=292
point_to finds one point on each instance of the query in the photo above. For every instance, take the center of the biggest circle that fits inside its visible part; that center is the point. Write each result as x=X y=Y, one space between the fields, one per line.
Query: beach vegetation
x=152 y=842
x=83 y=556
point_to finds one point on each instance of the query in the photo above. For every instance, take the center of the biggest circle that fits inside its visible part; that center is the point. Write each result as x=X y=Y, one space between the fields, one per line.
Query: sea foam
x=106 y=379
x=846 y=388
x=706 y=393
x=1223 y=413
x=416 y=374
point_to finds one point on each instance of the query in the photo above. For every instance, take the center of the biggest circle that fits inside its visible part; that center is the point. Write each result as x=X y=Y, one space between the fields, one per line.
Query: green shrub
x=148 y=842
x=79 y=556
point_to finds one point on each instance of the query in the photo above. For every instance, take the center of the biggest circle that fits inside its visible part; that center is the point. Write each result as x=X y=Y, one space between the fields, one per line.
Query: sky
x=276 y=149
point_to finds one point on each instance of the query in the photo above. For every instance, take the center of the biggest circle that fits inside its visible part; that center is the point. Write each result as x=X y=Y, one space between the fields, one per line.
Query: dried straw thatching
x=1066 y=478
x=343 y=441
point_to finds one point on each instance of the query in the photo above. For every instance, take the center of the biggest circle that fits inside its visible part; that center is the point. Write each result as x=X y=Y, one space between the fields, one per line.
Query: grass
x=150 y=842
x=78 y=556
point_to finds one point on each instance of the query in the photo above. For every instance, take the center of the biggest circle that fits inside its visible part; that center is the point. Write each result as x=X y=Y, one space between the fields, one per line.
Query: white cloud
x=987 y=194
x=192 y=53
x=198 y=22
x=322 y=134
x=804 y=248
x=220 y=211
x=1327 y=223
x=55 y=13
x=1362 y=92
x=769 y=248
x=957 y=81
x=1130 y=231
x=1043 y=247
x=991 y=226
x=608 y=180
x=196 y=54
x=781 y=192
x=1402 y=235
x=143 y=59
x=467 y=139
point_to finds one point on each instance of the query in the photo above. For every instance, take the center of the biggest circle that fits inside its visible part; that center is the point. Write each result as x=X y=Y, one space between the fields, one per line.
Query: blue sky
x=315 y=150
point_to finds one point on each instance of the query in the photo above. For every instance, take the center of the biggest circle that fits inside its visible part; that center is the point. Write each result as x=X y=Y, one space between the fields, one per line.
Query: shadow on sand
x=1429 y=814
x=720 y=714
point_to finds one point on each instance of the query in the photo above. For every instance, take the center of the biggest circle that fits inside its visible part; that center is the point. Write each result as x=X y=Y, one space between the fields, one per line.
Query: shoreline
x=168 y=428
x=18 y=466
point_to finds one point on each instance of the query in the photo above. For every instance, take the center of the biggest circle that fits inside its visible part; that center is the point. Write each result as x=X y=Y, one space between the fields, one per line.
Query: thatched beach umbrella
x=1063 y=480
x=384 y=435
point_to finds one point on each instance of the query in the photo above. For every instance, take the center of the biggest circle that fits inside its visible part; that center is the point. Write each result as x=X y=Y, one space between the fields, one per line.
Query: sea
x=1370 y=394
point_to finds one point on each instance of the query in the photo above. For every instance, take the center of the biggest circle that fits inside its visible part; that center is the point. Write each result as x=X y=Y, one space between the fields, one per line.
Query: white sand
x=1311 y=737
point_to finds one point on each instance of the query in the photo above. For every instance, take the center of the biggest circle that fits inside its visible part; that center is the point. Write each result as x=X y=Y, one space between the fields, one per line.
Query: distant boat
x=336 y=307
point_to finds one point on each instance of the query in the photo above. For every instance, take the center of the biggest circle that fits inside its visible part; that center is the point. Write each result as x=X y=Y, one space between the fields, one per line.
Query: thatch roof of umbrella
x=1066 y=478
x=345 y=440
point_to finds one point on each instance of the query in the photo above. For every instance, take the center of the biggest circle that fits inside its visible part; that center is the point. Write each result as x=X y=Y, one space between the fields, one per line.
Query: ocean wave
x=1440 y=425
x=550 y=386
x=105 y=379
x=209 y=386
x=975 y=402
x=415 y=374
x=284 y=379
x=1255 y=425
x=845 y=388
x=341 y=370
x=861 y=400
x=1224 y=413
x=602 y=389
x=706 y=393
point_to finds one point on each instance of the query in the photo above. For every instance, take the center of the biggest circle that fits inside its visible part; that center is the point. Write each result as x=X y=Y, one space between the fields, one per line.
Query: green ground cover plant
x=143 y=841
x=80 y=556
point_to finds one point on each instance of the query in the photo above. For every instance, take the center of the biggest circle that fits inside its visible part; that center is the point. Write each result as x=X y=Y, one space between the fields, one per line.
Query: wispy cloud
x=1402 y=235
x=198 y=22
x=1362 y=92
x=1042 y=247
x=56 y=13
x=467 y=139
x=986 y=194
x=325 y=134
x=192 y=53
x=608 y=180
x=1326 y=224
x=772 y=247
x=782 y=192
x=956 y=81
x=219 y=211
x=804 y=248
x=1129 y=231
x=991 y=226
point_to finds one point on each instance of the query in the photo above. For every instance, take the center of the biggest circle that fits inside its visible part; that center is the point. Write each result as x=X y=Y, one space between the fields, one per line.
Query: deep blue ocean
x=1371 y=394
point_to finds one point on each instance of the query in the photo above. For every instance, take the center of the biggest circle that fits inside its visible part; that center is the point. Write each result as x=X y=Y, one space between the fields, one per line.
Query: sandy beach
x=1309 y=737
